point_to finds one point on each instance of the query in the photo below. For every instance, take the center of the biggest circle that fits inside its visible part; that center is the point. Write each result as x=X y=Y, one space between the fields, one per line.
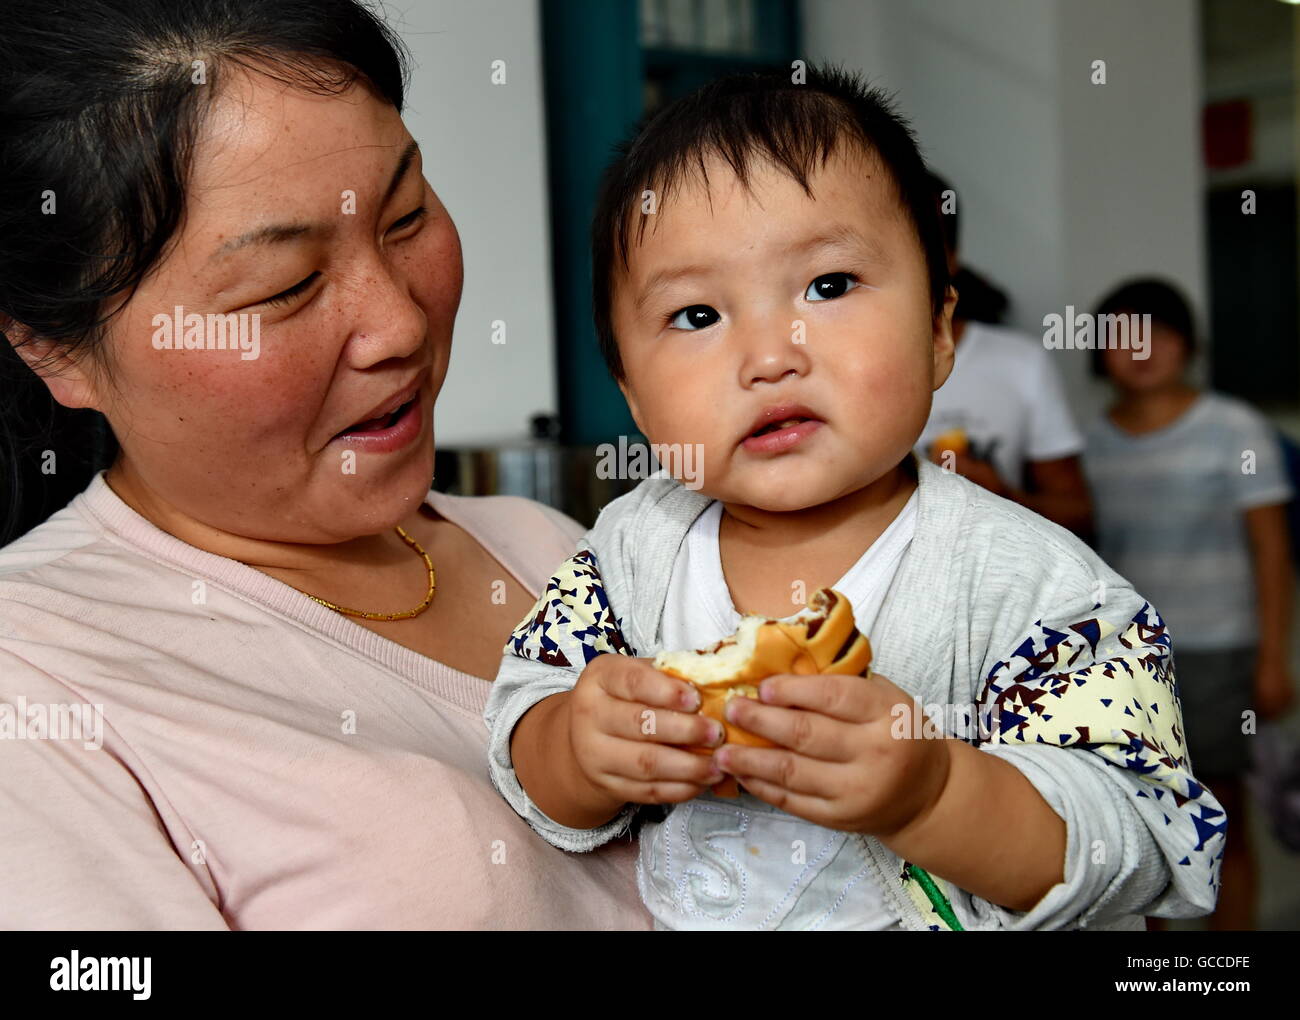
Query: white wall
x=1134 y=196
x=485 y=155
x=1064 y=186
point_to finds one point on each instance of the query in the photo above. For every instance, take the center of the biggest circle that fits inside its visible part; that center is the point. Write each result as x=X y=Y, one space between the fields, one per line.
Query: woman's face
x=301 y=210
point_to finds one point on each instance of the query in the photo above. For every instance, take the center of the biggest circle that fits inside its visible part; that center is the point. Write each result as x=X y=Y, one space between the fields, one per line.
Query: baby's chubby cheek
x=887 y=385
x=681 y=416
x=897 y=406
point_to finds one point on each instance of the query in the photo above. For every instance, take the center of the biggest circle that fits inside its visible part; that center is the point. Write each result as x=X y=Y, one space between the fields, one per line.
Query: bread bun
x=821 y=639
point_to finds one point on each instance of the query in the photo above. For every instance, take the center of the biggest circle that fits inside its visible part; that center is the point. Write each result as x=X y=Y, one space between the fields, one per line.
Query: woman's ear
x=943 y=346
x=65 y=376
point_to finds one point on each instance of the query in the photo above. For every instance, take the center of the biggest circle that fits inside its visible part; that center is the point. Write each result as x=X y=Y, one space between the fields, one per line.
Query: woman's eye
x=694 y=317
x=285 y=296
x=412 y=217
x=830 y=285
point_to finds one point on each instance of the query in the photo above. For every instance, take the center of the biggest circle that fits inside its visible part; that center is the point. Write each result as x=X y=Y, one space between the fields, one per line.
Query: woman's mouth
x=388 y=432
x=377 y=424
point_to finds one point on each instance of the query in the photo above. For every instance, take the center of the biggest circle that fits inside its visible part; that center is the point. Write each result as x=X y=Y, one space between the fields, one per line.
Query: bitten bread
x=821 y=639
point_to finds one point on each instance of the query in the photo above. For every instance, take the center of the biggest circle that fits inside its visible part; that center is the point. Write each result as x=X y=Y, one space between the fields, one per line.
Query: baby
x=771 y=293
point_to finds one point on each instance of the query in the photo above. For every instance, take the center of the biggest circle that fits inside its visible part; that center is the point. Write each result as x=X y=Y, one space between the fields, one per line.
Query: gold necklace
x=410 y=613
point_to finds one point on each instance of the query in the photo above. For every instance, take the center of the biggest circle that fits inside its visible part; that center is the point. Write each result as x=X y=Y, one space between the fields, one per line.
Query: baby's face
x=790 y=336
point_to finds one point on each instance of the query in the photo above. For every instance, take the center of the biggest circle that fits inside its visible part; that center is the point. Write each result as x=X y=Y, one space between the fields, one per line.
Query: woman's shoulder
x=78 y=599
x=64 y=534
x=530 y=538
x=94 y=547
x=497 y=515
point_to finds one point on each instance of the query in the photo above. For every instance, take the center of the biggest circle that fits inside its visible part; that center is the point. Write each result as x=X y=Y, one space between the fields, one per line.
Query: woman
x=276 y=647
x=1191 y=496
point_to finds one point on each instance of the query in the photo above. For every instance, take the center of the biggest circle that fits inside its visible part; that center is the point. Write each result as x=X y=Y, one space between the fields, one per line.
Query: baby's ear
x=941 y=340
x=626 y=390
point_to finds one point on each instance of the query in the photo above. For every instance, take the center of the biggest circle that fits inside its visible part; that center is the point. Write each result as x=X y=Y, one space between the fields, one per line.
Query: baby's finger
x=810 y=808
x=636 y=680
x=632 y=761
x=807 y=732
x=631 y=721
x=656 y=793
x=779 y=767
x=848 y=698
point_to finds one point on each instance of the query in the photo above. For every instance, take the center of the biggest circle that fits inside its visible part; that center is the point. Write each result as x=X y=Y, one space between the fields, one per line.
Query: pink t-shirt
x=188 y=743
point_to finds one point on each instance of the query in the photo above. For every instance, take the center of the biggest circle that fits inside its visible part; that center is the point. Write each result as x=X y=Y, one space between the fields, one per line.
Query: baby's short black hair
x=797 y=124
x=1148 y=295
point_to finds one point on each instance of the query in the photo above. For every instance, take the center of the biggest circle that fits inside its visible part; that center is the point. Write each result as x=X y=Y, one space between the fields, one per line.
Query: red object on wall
x=1225 y=133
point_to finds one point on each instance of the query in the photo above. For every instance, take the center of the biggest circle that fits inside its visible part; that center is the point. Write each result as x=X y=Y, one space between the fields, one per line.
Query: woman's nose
x=389 y=322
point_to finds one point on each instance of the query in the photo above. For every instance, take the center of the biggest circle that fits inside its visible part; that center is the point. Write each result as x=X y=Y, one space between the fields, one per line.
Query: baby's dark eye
x=831 y=285
x=695 y=317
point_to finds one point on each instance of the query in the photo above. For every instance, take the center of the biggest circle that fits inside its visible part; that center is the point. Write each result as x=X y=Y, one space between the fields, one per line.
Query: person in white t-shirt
x=1002 y=419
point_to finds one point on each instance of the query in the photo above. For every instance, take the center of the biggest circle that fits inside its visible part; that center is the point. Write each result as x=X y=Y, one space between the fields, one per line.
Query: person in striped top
x=1190 y=495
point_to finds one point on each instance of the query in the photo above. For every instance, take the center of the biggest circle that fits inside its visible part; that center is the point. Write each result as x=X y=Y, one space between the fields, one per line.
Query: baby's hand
x=839 y=764
x=623 y=715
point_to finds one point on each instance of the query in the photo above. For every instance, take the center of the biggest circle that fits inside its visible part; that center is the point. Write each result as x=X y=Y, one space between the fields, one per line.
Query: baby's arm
x=582 y=754
x=540 y=748
x=579 y=729
x=850 y=754
x=522 y=686
x=1085 y=707
x=1077 y=807
x=989 y=831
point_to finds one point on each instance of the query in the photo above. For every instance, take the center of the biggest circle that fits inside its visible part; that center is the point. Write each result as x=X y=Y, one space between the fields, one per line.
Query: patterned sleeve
x=1086 y=706
x=568 y=626
x=571 y=623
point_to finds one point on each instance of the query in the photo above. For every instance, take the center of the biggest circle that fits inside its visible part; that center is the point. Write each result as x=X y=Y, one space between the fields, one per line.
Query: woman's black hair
x=101 y=102
x=745 y=119
x=1148 y=295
